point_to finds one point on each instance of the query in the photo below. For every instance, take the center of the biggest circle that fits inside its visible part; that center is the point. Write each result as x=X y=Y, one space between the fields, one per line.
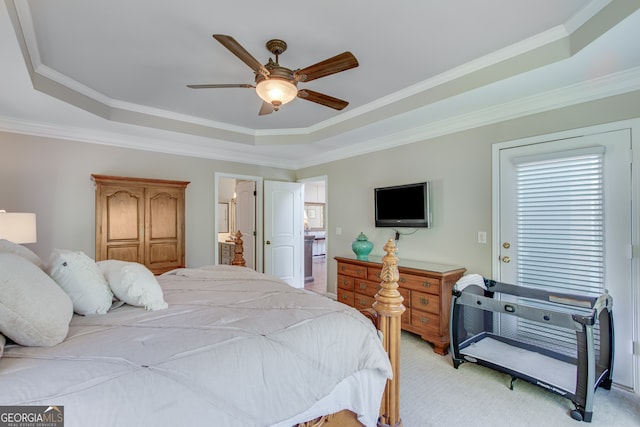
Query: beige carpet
x=433 y=393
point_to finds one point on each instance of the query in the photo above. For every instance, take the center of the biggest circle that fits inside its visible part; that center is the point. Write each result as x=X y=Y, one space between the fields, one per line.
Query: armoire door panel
x=130 y=253
x=163 y=253
x=164 y=216
x=125 y=212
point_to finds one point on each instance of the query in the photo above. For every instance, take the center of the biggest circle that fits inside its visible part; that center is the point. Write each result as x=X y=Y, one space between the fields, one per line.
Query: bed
x=233 y=347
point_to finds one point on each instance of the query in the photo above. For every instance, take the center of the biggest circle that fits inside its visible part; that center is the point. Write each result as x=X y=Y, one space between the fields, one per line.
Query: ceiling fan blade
x=336 y=64
x=215 y=86
x=322 y=99
x=265 y=109
x=235 y=48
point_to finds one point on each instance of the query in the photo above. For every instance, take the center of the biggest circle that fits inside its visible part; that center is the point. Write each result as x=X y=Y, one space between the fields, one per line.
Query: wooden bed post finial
x=389 y=307
x=238 y=250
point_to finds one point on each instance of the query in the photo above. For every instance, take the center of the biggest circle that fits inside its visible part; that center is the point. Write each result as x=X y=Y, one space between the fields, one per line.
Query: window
x=560 y=233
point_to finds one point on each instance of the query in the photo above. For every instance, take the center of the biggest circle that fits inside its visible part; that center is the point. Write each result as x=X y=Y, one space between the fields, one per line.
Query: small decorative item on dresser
x=362 y=247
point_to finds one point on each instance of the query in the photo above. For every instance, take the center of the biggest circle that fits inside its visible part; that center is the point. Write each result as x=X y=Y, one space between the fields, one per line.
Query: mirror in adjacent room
x=314 y=215
x=223 y=217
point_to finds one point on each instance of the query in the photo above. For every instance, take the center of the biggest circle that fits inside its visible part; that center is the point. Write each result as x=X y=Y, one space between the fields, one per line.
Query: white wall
x=52 y=178
x=314 y=192
x=226 y=189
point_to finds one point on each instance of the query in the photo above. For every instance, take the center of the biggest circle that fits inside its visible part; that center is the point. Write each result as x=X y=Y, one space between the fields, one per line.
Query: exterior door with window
x=565 y=224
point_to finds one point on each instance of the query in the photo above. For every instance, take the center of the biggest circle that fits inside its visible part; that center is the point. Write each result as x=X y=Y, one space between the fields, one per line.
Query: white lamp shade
x=18 y=227
x=276 y=91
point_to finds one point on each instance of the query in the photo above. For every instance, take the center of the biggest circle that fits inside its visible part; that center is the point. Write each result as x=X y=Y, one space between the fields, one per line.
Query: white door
x=596 y=251
x=246 y=218
x=283 y=231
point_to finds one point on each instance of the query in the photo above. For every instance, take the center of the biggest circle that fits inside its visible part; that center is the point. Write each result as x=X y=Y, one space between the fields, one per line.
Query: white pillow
x=133 y=283
x=34 y=311
x=80 y=277
x=7 y=246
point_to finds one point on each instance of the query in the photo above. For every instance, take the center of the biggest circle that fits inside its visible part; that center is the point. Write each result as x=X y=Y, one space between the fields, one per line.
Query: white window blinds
x=560 y=234
x=560 y=221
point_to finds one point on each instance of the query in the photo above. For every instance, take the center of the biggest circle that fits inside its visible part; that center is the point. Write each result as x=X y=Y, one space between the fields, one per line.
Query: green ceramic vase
x=362 y=247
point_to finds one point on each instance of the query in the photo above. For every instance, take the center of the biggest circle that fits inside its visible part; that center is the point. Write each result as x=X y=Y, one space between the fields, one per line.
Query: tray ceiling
x=121 y=67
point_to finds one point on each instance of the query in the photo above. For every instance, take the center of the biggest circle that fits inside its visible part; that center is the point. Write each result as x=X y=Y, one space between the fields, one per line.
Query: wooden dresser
x=140 y=220
x=425 y=287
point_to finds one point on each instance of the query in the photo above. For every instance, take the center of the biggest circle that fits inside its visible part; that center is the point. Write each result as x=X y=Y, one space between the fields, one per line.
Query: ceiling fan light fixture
x=276 y=91
x=277 y=85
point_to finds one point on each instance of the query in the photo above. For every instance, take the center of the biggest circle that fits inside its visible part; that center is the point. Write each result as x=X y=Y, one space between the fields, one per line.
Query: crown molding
x=592 y=90
x=603 y=87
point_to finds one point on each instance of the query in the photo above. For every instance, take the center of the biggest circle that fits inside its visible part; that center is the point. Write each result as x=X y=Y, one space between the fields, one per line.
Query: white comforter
x=231 y=350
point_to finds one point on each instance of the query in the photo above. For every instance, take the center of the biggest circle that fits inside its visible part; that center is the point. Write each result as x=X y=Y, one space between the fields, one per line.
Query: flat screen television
x=403 y=206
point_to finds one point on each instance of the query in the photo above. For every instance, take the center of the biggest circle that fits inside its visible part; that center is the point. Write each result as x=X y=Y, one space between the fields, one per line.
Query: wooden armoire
x=140 y=220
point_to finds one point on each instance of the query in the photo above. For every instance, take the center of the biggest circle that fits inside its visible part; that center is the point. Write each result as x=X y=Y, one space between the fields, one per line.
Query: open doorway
x=315 y=210
x=238 y=210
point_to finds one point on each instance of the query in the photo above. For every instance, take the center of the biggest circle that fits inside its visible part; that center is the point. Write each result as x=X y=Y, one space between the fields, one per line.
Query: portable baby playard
x=561 y=342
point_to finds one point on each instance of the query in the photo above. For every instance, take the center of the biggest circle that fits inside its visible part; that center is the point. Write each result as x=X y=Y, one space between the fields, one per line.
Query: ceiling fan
x=276 y=85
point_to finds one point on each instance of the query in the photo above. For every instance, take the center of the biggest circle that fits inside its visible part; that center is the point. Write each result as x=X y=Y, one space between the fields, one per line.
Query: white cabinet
x=225 y=251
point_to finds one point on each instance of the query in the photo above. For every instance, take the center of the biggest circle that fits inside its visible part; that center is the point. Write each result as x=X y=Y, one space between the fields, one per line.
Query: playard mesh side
x=558 y=341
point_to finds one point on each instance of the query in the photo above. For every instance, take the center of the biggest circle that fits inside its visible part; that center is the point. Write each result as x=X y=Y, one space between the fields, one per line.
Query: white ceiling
x=115 y=72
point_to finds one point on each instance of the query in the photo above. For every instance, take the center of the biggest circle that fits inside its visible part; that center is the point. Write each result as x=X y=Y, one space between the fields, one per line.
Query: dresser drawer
x=407 y=280
x=362 y=301
x=373 y=273
x=405 y=320
x=420 y=283
x=225 y=253
x=425 y=302
x=352 y=270
x=366 y=287
x=345 y=282
x=406 y=296
x=345 y=297
x=426 y=321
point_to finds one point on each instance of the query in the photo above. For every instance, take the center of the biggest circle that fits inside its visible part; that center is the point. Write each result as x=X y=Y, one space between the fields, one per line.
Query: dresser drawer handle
x=426 y=284
x=403 y=280
x=358 y=271
x=424 y=320
x=363 y=286
x=424 y=301
x=345 y=297
x=363 y=302
x=345 y=281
